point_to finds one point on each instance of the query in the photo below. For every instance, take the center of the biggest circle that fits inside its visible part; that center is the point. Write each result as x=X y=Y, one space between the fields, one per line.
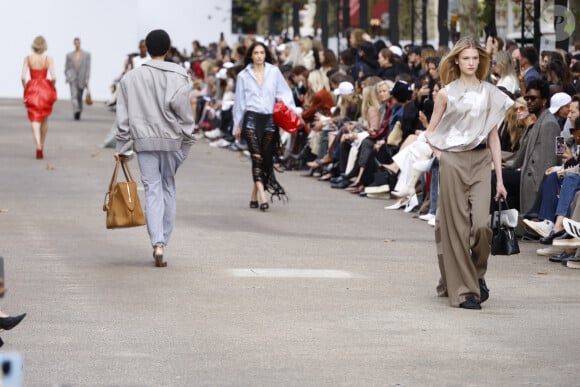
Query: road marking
x=290 y=273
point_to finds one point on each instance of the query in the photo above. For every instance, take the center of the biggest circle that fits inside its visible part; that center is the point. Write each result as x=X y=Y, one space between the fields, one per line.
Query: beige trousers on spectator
x=462 y=232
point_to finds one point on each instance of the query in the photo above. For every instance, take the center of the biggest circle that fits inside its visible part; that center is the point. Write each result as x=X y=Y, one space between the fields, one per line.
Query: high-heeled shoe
x=254 y=204
x=404 y=193
x=158 y=256
x=264 y=206
x=39 y=154
x=398 y=204
x=7 y=323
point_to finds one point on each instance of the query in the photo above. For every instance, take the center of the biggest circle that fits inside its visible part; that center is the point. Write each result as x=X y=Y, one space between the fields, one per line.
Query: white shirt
x=251 y=97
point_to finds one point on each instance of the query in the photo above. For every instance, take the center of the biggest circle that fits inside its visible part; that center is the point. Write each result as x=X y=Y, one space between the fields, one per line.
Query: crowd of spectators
x=364 y=113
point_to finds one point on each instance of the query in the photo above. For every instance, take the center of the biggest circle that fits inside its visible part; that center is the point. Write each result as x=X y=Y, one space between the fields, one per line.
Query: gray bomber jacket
x=153 y=109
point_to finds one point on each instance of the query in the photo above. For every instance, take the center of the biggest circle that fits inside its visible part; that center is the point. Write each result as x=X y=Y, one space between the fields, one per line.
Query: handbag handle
x=499 y=210
x=120 y=161
x=123 y=163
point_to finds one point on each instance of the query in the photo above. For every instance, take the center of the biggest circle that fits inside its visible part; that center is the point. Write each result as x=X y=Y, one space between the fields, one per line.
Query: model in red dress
x=39 y=92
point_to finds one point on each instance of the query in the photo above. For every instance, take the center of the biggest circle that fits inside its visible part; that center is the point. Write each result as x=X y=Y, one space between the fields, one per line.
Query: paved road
x=329 y=289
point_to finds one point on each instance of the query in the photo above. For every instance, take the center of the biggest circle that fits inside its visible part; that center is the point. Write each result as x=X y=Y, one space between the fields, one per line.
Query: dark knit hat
x=401 y=91
x=157 y=42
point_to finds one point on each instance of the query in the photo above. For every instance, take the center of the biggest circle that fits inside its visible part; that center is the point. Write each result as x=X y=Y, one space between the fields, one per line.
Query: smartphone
x=560 y=146
x=517 y=66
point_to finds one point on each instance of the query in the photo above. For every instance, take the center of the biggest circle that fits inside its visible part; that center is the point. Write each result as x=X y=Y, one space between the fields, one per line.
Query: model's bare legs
x=43 y=132
x=36 y=134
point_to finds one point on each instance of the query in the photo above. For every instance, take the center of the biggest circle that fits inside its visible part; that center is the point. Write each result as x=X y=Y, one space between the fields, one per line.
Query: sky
x=108 y=29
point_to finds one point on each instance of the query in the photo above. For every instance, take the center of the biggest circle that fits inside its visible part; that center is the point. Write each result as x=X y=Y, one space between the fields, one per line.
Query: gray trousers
x=76 y=97
x=158 y=177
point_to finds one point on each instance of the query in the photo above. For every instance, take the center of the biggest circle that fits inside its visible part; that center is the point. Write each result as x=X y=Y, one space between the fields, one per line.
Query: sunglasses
x=528 y=98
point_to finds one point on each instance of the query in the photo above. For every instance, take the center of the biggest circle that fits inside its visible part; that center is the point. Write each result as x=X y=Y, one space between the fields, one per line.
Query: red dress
x=39 y=94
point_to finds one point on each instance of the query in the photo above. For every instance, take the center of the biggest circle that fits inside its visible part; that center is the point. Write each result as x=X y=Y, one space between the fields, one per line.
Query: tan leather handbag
x=88 y=98
x=396 y=135
x=122 y=203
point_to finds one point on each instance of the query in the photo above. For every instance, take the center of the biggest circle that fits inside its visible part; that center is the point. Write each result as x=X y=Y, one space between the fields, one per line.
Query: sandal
x=158 y=256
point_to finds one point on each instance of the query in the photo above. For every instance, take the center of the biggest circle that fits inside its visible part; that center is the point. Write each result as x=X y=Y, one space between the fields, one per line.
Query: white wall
x=108 y=29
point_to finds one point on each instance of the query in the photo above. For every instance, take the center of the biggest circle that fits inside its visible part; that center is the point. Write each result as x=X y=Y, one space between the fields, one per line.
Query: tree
x=469 y=21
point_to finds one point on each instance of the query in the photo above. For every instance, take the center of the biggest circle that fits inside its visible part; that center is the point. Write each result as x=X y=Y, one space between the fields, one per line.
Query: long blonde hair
x=370 y=98
x=449 y=70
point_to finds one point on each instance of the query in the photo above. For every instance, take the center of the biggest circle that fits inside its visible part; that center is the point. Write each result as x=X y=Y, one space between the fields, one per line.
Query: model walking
x=258 y=87
x=464 y=138
x=39 y=92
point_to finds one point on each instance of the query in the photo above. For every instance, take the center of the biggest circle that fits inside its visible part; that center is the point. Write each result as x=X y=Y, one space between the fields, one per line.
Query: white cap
x=396 y=50
x=228 y=65
x=558 y=100
x=281 y=47
x=344 y=88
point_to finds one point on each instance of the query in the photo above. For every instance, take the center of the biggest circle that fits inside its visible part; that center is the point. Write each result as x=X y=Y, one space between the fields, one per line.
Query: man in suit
x=77 y=70
x=538 y=147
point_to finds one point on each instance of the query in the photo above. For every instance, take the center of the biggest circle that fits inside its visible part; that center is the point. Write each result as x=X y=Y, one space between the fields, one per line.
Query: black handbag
x=504 y=240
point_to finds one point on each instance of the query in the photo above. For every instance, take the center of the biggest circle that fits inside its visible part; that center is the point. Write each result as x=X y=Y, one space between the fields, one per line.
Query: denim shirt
x=251 y=97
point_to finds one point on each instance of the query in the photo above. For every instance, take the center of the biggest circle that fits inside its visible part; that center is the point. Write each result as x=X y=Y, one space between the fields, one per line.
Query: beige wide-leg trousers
x=462 y=233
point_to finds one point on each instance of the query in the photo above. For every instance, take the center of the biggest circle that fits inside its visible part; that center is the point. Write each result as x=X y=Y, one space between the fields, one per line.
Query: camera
x=560 y=146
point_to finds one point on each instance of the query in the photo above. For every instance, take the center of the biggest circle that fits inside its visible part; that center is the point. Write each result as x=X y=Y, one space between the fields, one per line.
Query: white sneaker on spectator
x=573 y=264
x=431 y=222
x=549 y=251
x=542 y=227
x=427 y=217
x=221 y=143
x=213 y=134
x=572 y=227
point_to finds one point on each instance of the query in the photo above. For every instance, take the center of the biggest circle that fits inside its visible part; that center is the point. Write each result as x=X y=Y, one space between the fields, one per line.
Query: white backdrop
x=108 y=29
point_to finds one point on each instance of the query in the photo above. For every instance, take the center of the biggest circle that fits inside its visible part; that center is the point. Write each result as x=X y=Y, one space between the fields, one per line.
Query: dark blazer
x=537 y=153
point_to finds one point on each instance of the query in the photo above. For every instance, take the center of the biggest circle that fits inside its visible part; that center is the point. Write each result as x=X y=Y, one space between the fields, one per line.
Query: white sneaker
x=542 y=228
x=427 y=217
x=221 y=143
x=378 y=189
x=549 y=251
x=572 y=227
x=431 y=222
x=213 y=134
x=573 y=264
